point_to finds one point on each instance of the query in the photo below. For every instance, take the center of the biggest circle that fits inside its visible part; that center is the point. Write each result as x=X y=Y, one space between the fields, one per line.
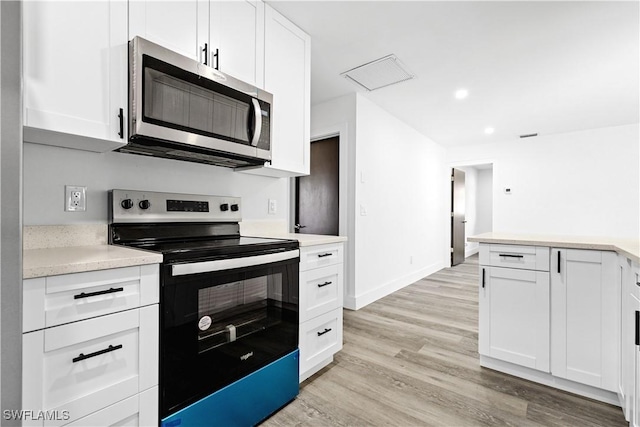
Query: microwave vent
x=380 y=73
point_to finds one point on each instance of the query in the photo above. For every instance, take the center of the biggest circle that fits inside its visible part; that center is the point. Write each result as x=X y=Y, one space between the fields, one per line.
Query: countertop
x=627 y=247
x=75 y=259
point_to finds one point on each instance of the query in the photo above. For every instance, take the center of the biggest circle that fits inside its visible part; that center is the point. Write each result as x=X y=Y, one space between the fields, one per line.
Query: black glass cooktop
x=217 y=246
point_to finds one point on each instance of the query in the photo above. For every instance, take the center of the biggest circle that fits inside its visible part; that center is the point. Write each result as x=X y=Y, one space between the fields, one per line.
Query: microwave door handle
x=257 y=127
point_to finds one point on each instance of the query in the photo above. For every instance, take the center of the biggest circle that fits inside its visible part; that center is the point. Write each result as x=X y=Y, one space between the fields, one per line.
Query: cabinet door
x=514 y=316
x=179 y=25
x=75 y=73
x=585 y=312
x=237 y=32
x=287 y=77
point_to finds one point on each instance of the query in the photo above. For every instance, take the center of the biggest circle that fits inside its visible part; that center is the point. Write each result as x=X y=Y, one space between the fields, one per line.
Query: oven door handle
x=228 y=264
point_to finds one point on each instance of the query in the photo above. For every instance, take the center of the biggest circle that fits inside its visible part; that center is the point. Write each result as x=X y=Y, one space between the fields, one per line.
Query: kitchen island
x=559 y=310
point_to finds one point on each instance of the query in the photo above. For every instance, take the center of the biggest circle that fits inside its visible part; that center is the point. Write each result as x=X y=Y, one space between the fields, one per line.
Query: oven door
x=223 y=319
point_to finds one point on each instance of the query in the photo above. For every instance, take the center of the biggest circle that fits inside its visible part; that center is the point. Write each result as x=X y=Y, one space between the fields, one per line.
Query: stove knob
x=234 y=208
x=126 y=204
x=144 y=204
x=224 y=207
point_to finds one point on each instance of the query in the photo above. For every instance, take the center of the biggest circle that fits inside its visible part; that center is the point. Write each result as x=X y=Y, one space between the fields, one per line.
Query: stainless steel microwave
x=185 y=110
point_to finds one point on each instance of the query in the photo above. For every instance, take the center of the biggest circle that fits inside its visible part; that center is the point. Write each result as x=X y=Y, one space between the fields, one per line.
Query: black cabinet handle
x=93 y=294
x=324 y=255
x=637 y=327
x=324 y=332
x=216 y=57
x=558 y=262
x=483 y=278
x=321 y=285
x=121 y=117
x=511 y=256
x=83 y=356
x=206 y=53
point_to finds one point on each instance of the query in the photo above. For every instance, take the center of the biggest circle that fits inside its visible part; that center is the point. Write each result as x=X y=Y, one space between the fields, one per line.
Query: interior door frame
x=340 y=130
x=461 y=164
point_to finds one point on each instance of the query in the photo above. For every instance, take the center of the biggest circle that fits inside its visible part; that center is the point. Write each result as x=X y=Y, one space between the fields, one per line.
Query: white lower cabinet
x=585 y=313
x=100 y=370
x=320 y=309
x=514 y=316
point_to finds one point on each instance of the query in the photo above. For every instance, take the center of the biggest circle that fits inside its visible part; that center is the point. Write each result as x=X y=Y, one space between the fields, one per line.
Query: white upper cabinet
x=287 y=77
x=75 y=73
x=181 y=26
x=236 y=39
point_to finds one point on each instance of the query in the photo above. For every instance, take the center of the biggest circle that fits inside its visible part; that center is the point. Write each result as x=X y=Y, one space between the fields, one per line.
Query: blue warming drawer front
x=247 y=401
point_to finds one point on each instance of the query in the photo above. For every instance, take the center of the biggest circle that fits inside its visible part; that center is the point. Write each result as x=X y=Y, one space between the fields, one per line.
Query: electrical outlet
x=75 y=198
x=273 y=207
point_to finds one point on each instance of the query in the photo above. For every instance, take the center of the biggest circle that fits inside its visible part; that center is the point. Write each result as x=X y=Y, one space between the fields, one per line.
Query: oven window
x=235 y=310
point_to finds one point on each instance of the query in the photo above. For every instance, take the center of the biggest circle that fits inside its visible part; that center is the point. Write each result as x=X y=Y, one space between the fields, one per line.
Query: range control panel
x=152 y=206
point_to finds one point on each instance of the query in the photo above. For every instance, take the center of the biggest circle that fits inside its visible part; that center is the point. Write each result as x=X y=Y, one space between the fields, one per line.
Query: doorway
x=458 y=221
x=317 y=195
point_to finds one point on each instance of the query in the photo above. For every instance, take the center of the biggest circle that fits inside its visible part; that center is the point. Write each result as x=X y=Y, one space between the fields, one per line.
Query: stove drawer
x=320 y=291
x=320 y=256
x=320 y=339
x=85 y=366
x=56 y=300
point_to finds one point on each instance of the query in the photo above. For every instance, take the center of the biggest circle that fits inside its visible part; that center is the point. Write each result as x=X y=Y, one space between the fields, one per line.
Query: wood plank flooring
x=410 y=359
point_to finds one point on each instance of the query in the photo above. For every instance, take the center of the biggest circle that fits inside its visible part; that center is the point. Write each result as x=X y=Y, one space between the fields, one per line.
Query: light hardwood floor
x=410 y=359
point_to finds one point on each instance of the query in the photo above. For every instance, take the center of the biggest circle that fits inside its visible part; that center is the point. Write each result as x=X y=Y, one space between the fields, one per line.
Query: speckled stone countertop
x=52 y=250
x=626 y=247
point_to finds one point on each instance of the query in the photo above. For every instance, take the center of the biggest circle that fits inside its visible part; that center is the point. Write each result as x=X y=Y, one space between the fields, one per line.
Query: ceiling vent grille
x=380 y=73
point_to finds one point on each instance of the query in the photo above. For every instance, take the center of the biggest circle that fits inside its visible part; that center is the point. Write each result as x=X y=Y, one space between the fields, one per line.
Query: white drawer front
x=136 y=411
x=57 y=300
x=320 y=338
x=635 y=280
x=320 y=256
x=512 y=256
x=52 y=380
x=320 y=291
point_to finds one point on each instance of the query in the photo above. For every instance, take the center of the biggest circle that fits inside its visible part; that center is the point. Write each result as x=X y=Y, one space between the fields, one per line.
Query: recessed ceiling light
x=489 y=130
x=462 y=93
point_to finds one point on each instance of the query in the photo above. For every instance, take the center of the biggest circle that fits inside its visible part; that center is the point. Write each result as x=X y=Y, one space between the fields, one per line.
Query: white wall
x=400 y=180
x=578 y=183
x=484 y=204
x=48 y=169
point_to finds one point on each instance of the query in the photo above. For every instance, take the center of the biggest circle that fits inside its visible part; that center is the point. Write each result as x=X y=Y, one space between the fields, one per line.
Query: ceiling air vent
x=380 y=73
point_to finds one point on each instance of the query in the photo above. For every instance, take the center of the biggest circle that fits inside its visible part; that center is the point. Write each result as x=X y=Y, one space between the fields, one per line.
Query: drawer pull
x=324 y=255
x=322 y=285
x=637 y=327
x=512 y=256
x=83 y=356
x=93 y=294
x=324 y=332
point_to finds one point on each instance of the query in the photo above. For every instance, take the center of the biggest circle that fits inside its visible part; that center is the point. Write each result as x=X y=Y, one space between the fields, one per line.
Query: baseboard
x=550 y=380
x=472 y=251
x=362 y=300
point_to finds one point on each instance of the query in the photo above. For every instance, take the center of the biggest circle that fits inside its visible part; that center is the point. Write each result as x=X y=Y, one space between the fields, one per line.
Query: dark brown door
x=457 y=217
x=317 y=194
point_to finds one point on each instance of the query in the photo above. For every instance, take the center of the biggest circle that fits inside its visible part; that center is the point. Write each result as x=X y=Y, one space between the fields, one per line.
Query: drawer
x=138 y=410
x=512 y=256
x=56 y=300
x=320 y=291
x=320 y=338
x=635 y=280
x=84 y=366
x=320 y=256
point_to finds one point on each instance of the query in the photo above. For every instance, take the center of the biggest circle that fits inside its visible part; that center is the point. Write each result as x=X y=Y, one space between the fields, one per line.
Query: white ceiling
x=529 y=67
